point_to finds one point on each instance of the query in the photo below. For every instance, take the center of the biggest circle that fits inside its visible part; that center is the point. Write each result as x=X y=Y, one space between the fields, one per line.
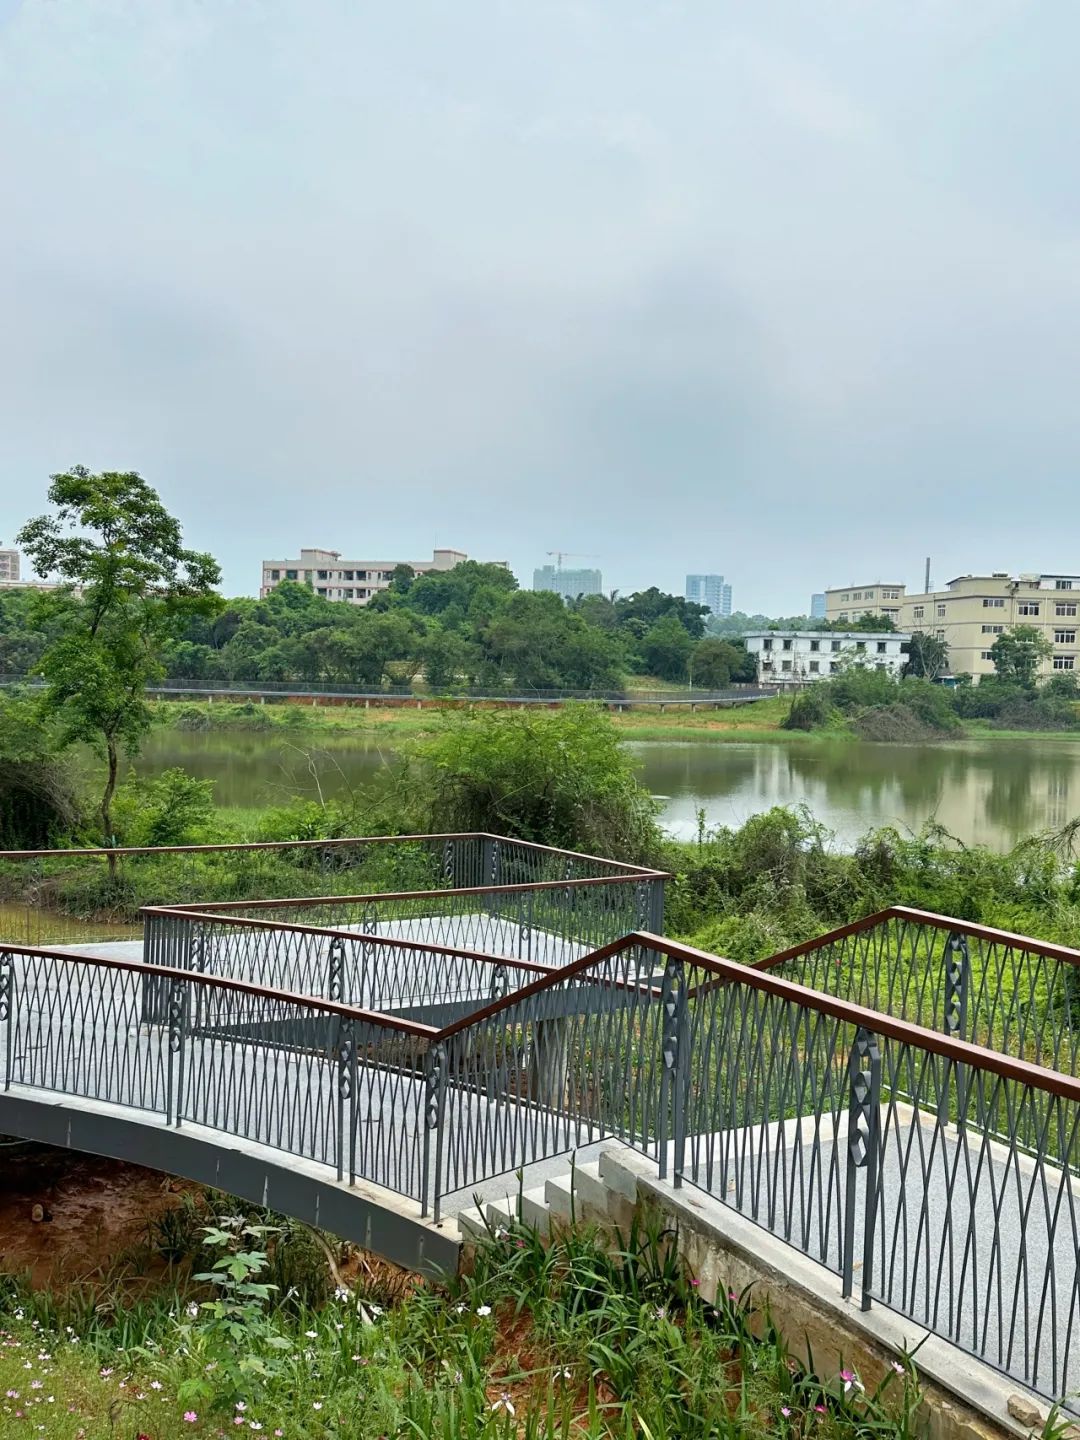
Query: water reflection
x=992 y=792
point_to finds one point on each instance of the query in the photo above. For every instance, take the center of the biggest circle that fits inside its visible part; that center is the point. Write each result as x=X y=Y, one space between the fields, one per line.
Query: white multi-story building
x=9 y=565
x=796 y=657
x=354 y=581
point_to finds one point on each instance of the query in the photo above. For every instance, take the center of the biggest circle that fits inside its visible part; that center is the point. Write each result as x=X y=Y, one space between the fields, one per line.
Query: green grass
x=540 y=1340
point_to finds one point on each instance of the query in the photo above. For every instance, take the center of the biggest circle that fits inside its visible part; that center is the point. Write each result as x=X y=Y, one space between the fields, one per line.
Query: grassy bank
x=554 y=1341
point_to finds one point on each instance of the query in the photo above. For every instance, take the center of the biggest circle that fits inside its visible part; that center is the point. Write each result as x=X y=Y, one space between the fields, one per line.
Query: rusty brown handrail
x=960 y=1051
x=226 y=982
x=117 y=851
x=391 y=941
x=1045 y=948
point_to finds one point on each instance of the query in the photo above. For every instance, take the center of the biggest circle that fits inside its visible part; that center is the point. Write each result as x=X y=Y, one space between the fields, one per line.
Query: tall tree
x=1017 y=654
x=928 y=657
x=129 y=585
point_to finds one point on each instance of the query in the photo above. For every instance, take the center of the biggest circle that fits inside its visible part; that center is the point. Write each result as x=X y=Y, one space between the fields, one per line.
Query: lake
x=992 y=792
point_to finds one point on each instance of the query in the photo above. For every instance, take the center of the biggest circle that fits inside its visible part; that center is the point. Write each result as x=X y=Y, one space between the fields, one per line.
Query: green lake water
x=992 y=792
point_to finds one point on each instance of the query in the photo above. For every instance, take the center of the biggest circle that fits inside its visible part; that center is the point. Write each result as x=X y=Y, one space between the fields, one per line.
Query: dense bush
x=39 y=802
x=557 y=777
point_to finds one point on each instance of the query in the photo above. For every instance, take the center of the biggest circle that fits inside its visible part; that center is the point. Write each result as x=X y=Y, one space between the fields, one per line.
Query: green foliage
x=1017 y=654
x=928 y=656
x=557 y=777
x=111 y=537
x=666 y=648
x=172 y=808
x=38 y=801
x=811 y=709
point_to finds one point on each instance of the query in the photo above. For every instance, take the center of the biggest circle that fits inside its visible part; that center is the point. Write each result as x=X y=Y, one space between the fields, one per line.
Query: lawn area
x=555 y=1339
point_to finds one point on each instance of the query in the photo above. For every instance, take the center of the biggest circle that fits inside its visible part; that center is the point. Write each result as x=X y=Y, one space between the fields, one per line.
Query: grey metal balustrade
x=930 y=1173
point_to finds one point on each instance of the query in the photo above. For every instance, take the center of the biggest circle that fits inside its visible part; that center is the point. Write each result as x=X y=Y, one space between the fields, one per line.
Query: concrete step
x=502 y=1213
x=590 y=1192
x=559 y=1197
x=471 y=1226
x=534 y=1210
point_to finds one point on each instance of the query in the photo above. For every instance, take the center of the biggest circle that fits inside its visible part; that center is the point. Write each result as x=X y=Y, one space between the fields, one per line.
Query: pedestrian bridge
x=897 y=1100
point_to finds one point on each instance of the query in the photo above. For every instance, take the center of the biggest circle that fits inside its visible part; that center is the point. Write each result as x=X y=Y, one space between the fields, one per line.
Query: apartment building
x=797 y=657
x=568 y=583
x=710 y=590
x=817 y=605
x=972 y=611
x=9 y=565
x=353 y=581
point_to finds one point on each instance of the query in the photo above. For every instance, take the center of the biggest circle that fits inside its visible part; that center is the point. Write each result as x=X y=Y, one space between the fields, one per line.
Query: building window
x=815 y=644
x=834 y=666
x=860 y=644
x=348 y=594
x=843 y=614
x=845 y=598
x=322 y=590
x=1028 y=607
x=941 y=612
x=1064 y=662
x=275 y=574
x=785 y=665
x=881 y=647
x=988 y=655
x=993 y=629
x=856 y=594
x=1065 y=611
x=349 y=574
x=918 y=612
x=307 y=577
x=322 y=574
x=890 y=594
x=939 y=634
x=1064 y=637
x=766 y=644
x=1063 y=585
x=290 y=574
x=869 y=594
x=996 y=602
x=815 y=666
x=787 y=644
x=835 y=646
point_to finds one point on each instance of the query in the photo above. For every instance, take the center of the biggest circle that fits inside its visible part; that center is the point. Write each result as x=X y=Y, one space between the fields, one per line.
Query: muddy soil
x=95 y=1216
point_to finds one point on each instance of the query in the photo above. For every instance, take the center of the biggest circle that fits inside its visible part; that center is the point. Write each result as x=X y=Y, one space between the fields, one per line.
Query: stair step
x=559 y=1197
x=589 y=1189
x=471 y=1225
x=534 y=1210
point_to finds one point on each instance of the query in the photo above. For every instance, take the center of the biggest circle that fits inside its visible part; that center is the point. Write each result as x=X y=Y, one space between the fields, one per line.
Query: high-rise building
x=709 y=590
x=817 y=606
x=354 y=581
x=972 y=611
x=568 y=583
x=9 y=565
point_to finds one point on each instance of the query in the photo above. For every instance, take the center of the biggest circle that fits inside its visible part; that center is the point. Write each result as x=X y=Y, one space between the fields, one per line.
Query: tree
x=928 y=657
x=715 y=661
x=111 y=538
x=1017 y=654
x=666 y=649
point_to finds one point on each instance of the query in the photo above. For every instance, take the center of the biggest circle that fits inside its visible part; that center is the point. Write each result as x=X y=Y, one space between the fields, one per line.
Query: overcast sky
x=785 y=290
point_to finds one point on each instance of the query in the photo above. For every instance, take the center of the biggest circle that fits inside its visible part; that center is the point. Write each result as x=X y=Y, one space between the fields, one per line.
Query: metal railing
x=930 y=1173
x=1005 y=991
x=51 y=897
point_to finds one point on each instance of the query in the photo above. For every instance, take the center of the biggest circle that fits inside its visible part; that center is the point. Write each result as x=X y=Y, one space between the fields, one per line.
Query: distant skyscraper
x=709 y=590
x=817 y=606
x=568 y=583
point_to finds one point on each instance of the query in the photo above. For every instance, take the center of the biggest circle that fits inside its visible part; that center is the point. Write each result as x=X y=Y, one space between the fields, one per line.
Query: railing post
x=177 y=1014
x=7 y=1010
x=863 y=1143
x=434 y=1106
x=956 y=987
x=346 y=1097
x=335 y=959
x=674 y=1078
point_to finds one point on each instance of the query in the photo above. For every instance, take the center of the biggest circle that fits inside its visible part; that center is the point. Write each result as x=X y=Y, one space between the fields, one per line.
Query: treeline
x=470 y=626
x=875 y=705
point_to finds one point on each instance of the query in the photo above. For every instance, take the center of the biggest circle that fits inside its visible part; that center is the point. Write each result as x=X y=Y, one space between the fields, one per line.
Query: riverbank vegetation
x=262 y=1326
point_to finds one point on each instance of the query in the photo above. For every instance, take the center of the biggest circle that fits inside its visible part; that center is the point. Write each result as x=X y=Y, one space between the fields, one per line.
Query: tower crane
x=561 y=555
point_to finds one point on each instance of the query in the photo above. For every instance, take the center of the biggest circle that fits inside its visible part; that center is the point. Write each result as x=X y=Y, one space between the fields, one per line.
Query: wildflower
x=190 y=1416
x=105 y=1371
x=483 y=1311
x=254 y=1425
x=341 y=1293
x=13 y=1394
x=193 y=1310
x=316 y=1405
x=785 y=1411
x=312 y=1334
x=241 y=1405
x=155 y=1384
x=238 y=1419
x=851 y=1381
x=820 y=1409
x=898 y=1368
x=504 y=1403
x=694 y=1281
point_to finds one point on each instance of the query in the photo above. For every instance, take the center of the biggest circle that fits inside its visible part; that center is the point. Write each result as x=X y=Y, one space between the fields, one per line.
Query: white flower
x=504 y=1403
x=483 y=1311
x=312 y=1334
x=193 y=1310
x=341 y=1293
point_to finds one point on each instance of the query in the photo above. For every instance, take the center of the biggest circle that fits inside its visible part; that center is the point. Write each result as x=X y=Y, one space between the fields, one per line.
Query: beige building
x=9 y=565
x=354 y=581
x=972 y=611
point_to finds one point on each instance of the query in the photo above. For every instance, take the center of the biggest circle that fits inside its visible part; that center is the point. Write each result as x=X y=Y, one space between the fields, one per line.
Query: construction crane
x=561 y=555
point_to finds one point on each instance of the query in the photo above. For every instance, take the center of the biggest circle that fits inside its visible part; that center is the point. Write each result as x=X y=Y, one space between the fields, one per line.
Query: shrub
x=172 y=808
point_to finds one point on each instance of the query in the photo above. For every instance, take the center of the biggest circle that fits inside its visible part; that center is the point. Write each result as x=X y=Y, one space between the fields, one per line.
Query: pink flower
x=190 y=1416
x=784 y=1411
